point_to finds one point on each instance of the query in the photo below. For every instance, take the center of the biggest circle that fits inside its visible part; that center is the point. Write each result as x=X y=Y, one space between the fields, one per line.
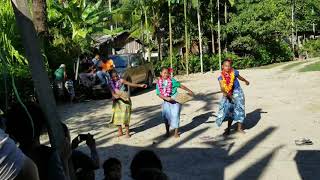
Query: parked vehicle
x=133 y=68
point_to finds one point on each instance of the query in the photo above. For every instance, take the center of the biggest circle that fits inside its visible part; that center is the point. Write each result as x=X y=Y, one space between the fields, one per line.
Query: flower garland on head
x=227 y=81
x=167 y=90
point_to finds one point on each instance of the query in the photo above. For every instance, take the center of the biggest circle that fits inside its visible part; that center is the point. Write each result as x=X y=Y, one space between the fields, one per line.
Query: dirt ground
x=281 y=106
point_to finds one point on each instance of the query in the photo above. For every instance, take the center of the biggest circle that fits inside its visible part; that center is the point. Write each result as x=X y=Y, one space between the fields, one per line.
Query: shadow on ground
x=200 y=163
x=308 y=163
x=253 y=118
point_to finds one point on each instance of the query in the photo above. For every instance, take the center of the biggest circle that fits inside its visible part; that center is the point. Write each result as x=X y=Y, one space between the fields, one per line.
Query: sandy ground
x=281 y=106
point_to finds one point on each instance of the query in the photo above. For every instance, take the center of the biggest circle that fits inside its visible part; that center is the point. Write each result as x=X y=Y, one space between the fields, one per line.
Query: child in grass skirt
x=167 y=89
x=121 y=107
x=232 y=104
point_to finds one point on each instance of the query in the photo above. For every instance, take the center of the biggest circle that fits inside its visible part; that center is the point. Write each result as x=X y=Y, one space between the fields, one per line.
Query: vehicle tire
x=129 y=89
x=150 y=80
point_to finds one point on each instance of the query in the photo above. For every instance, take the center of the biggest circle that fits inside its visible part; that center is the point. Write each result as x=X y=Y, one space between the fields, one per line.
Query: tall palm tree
x=170 y=35
x=226 y=2
x=197 y=4
x=219 y=34
x=186 y=35
x=38 y=72
x=39 y=8
x=40 y=16
x=212 y=30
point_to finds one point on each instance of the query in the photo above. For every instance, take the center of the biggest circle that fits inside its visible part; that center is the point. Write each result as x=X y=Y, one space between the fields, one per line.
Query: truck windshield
x=120 y=61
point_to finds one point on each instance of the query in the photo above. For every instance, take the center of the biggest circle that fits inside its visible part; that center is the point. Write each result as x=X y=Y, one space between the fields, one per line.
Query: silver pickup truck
x=134 y=68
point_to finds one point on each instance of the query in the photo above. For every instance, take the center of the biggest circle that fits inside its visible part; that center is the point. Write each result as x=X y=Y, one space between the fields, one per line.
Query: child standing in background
x=167 y=89
x=232 y=104
x=121 y=102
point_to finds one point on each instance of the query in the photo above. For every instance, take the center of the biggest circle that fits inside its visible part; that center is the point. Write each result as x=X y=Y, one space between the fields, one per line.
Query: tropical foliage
x=253 y=32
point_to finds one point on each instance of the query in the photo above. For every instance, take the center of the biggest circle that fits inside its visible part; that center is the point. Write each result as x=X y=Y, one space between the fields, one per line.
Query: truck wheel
x=130 y=89
x=150 y=80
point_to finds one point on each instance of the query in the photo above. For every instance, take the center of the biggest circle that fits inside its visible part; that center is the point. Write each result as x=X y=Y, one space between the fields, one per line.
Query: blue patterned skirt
x=171 y=113
x=232 y=110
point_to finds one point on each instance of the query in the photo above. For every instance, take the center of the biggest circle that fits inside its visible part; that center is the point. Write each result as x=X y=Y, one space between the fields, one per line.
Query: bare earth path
x=281 y=106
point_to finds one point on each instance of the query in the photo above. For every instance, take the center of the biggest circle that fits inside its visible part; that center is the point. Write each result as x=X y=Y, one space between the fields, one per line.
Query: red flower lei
x=227 y=81
x=167 y=90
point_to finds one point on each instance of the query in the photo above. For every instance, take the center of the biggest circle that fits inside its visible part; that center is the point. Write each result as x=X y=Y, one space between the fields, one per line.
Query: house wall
x=130 y=47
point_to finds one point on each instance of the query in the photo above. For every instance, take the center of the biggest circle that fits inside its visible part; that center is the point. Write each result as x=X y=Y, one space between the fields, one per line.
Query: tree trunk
x=39 y=8
x=292 y=25
x=219 y=36
x=38 y=72
x=200 y=36
x=147 y=31
x=212 y=32
x=186 y=35
x=226 y=21
x=170 y=36
x=111 y=26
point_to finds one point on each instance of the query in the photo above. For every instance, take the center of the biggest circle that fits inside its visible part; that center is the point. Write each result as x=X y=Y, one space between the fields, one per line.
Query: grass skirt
x=121 y=112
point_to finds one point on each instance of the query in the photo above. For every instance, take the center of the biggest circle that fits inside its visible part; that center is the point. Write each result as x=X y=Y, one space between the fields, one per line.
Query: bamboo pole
x=170 y=36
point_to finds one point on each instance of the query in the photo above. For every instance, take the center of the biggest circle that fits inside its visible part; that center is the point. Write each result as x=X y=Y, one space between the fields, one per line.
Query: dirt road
x=281 y=106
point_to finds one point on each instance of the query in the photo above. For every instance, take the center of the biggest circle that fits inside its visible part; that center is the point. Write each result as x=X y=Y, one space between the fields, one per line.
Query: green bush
x=22 y=81
x=312 y=47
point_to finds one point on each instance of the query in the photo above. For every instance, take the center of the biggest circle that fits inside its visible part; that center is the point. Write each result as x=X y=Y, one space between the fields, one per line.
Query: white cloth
x=11 y=157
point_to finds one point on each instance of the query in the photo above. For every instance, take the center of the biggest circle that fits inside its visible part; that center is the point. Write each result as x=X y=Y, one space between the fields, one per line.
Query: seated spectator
x=27 y=133
x=112 y=169
x=144 y=159
x=73 y=163
x=83 y=165
x=14 y=165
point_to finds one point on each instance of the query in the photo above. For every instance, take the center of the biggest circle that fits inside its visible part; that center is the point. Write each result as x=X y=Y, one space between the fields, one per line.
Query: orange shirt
x=107 y=66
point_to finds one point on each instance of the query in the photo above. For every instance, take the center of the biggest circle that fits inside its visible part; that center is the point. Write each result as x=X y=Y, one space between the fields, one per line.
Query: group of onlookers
x=90 y=69
x=23 y=156
x=33 y=160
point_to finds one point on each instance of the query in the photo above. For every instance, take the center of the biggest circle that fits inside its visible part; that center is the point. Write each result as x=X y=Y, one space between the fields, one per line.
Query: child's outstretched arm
x=186 y=89
x=243 y=79
x=133 y=84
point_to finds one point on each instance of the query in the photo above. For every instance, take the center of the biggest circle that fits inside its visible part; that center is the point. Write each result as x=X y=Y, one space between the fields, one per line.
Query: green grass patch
x=311 y=67
x=270 y=66
x=292 y=65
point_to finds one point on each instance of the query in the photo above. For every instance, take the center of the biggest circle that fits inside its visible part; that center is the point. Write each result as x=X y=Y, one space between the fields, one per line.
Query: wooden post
x=200 y=35
x=170 y=37
x=219 y=35
x=38 y=72
x=186 y=35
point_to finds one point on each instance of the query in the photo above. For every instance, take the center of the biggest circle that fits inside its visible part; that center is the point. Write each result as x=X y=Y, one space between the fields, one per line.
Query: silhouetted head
x=21 y=127
x=144 y=159
x=112 y=169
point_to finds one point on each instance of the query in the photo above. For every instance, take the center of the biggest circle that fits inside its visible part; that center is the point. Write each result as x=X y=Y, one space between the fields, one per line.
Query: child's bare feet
x=128 y=136
x=226 y=132
x=241 y=131
x=120 y=132
x=176 y=135
x=240 y=128
x=167 y=135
